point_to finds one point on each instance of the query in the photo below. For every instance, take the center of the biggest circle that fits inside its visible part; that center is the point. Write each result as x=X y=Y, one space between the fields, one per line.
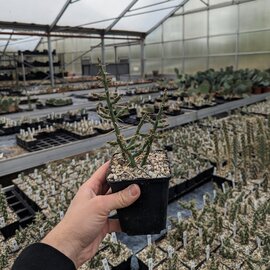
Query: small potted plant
x=136 y=163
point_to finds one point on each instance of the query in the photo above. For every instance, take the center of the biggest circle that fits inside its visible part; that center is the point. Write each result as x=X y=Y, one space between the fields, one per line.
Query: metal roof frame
x=166 y=17
x=121 y=15
x=44 y=29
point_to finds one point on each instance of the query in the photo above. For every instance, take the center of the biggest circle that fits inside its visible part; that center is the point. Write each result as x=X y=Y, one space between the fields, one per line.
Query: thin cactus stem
x=119 y=137
x=152 y=133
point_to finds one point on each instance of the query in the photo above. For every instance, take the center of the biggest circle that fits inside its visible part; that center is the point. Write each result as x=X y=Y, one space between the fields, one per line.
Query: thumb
x=122 y=198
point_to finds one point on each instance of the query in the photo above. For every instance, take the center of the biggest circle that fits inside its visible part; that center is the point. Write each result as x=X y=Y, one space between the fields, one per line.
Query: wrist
x=61 y=239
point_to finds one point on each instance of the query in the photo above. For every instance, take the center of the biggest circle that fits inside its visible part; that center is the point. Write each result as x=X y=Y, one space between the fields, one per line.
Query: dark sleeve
x=40 y=256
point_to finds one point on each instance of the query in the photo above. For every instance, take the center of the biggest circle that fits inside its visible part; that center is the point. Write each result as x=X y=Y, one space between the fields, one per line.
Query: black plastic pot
x=148 y=214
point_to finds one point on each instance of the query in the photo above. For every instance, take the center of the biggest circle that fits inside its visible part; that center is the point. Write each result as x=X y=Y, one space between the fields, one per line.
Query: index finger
x=97 y=181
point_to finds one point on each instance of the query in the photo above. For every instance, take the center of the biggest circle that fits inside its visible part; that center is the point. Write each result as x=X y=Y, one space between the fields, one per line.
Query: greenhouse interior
x=135 y=134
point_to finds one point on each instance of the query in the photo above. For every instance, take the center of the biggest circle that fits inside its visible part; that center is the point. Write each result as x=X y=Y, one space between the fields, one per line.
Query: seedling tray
x=47 y=140
x=19 y=203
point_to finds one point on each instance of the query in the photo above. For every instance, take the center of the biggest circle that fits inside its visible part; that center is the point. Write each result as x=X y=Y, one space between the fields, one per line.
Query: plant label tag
x=185 y=238
x=61 y=214
x=14 y=245
x=179 y=216
x=105 y=264
x=215 y=171
x=149 y=240
x=113 y=237
x=204 y=200
x=234 y=229
x=223 y=188
x=247 y=251
x=214 y=194
x=259 y=241
x=170 y=251
x=200 y=232
x=150 y=264
x=41 y=232
x=225 y=209
x=169 y=227
x=2 y=222
x=192 y=265
x=207 y=252
x=221 y=239
x=233 y=182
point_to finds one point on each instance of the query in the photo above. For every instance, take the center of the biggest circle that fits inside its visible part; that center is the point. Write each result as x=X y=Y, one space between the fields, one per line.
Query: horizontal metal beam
x=41 y=29
x=65 y=35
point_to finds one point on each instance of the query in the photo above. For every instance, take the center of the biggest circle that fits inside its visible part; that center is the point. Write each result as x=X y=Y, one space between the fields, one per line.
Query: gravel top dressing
x=157 y=166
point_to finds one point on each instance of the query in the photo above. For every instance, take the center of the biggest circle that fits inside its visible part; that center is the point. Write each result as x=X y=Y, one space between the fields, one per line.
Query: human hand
x=86 y=222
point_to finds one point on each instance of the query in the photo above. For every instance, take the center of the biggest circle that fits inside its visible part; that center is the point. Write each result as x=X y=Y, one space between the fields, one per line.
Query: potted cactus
x=137 y=163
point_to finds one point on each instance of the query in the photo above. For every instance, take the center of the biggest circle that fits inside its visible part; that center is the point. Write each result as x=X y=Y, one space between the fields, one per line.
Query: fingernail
x=133 y=190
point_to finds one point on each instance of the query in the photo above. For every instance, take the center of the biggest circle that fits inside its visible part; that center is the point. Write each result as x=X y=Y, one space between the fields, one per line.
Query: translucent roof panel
x=141 y=17
x=92 y=13
x=145 y=14
x=30 y=11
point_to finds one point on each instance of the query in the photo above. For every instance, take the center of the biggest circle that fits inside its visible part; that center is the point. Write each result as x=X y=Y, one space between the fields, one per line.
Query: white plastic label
x=150 y=264
x=170 y=251
x=113 y=237
x=207 y=252
x=223 y=188
x=105 y=264
x=214 y=194
x=200 y=232
x=61 y=215
x=2 y=222
x=259 y=241
x=179 y=216
x=192 y=265
x=185 y=238
x=149 y=240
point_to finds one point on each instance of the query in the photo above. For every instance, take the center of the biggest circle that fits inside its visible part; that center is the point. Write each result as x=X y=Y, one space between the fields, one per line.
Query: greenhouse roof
x=79 y=18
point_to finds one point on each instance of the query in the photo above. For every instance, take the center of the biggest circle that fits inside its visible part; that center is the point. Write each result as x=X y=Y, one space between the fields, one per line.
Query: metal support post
x=142 y=58
x=51 y=61
x=116 y=63
x=23 y=70
x=102 y=51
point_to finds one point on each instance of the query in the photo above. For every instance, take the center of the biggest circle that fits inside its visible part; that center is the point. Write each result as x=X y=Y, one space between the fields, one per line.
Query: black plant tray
x=220 y=180
x=174 y=113
x=78 y=136
x=9 y=130
x=103 y=131
x=190 y=184
x=123 y=265
x=254 y=113
x=28 y=203
x=16 y=129
x=23 y=207
x=143 y=266
x=47 y=140
x=131 y=120
x=10 y=230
